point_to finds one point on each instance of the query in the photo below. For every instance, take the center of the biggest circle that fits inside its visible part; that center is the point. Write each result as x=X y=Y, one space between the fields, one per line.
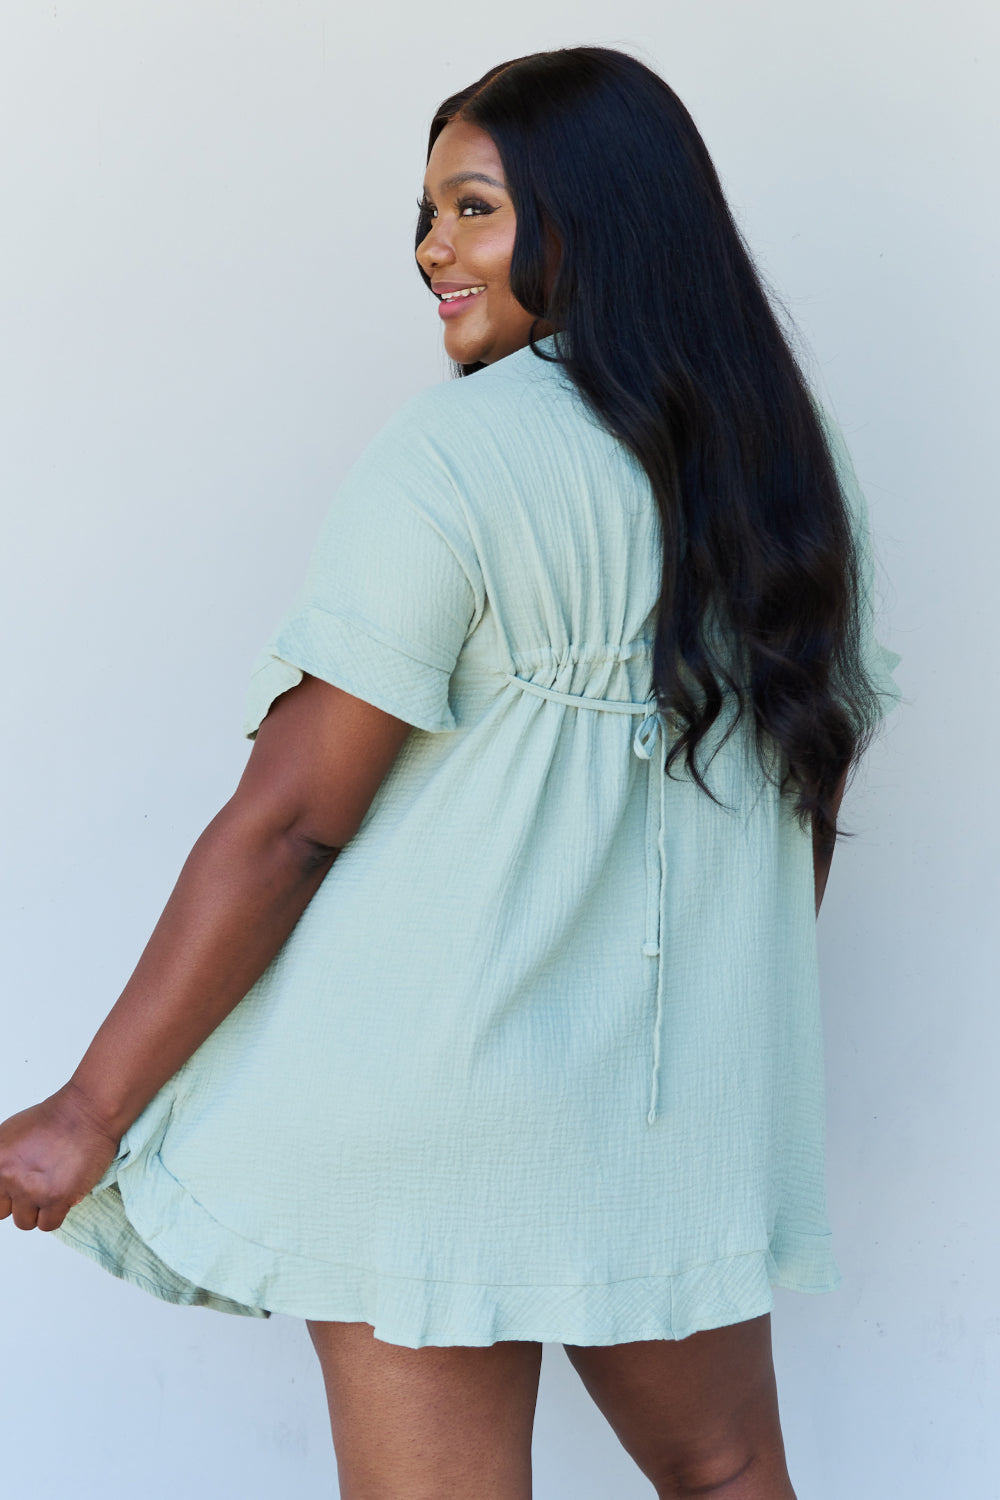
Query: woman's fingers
x=19 y=1201
x=51 y=1218
x=25 y=1213
x=51 y=1155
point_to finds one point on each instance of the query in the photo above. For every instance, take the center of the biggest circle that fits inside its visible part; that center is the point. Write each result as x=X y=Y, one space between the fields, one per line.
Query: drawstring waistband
x=644 y=743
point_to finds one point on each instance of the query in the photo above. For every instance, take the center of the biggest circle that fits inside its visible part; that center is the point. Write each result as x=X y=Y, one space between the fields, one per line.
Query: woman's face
x=469 y=244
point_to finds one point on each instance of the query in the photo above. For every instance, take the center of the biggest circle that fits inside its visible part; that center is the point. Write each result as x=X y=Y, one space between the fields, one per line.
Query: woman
x=486 y=1012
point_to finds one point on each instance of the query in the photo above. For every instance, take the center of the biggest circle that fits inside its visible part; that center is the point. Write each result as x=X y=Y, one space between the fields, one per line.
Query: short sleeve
x=392 y=589
x=880 y=661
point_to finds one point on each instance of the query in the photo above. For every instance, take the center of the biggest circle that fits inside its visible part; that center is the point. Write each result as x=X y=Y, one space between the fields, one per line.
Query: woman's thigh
x=698 y=1415
x=419 y=1424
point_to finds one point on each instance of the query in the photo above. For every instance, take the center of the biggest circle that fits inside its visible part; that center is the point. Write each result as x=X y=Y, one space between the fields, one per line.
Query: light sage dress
x=542 y=1058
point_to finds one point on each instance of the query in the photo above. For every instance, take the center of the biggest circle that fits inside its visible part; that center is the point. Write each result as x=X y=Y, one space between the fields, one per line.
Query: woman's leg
x=420 y=1424
x=699 y=1415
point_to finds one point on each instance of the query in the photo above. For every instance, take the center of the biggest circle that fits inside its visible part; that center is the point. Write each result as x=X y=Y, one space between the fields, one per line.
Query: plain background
x=209 y=305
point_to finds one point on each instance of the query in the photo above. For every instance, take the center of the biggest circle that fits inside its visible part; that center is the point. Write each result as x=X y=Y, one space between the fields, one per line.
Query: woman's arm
x=318 y=759
x=823 y=851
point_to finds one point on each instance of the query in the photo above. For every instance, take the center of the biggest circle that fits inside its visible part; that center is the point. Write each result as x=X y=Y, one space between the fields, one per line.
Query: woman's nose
x=434 y=249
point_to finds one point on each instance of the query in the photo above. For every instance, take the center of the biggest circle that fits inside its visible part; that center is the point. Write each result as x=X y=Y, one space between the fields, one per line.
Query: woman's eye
x=467 y=207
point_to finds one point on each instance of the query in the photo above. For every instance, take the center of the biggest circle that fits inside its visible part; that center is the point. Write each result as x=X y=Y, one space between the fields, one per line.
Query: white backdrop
x=209 y=304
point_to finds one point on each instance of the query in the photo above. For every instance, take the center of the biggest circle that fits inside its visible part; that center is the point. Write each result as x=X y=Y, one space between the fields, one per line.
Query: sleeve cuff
x=340 y=651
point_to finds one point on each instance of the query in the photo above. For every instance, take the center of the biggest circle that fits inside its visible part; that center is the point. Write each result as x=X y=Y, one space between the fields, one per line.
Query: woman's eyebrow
x=460 y=177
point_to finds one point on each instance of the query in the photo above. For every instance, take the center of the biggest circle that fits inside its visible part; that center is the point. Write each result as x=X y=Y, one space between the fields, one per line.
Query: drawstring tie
x=644 y=743
x=650 y=734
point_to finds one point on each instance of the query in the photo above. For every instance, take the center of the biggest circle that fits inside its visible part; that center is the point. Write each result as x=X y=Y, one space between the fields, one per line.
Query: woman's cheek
x=495 y=255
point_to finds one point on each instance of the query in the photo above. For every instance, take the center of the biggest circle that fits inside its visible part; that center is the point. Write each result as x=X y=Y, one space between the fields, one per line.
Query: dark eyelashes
x=425 y=208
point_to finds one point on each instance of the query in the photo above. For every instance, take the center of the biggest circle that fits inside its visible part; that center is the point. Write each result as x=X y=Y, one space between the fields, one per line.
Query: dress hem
x=187 y=1257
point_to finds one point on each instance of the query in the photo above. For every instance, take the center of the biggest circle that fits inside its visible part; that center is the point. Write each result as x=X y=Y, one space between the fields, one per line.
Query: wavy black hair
x=674 y=345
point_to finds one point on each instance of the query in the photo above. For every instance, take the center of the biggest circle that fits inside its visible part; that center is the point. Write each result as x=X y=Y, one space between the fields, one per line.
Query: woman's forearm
x=241 y=891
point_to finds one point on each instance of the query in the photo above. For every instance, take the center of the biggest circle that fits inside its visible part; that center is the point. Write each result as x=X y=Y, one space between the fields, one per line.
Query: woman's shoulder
x=442 y=448
x=505 y=390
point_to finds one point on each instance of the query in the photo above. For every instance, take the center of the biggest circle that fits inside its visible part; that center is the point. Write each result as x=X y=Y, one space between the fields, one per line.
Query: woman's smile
x=454 y=303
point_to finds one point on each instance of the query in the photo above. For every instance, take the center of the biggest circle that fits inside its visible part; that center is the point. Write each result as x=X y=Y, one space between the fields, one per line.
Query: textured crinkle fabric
x=542 y=1059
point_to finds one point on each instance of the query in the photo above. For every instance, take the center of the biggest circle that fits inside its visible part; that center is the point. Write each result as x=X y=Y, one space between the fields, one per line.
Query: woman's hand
x=51 y=1155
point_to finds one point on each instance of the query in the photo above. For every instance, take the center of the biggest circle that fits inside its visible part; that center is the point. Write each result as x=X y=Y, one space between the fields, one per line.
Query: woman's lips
x=457 y=305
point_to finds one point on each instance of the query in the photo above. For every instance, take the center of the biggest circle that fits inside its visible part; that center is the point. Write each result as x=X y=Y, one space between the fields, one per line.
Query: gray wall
x=208 y=306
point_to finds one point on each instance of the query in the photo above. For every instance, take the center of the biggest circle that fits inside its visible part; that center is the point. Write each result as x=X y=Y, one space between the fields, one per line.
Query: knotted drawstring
x=644 y=744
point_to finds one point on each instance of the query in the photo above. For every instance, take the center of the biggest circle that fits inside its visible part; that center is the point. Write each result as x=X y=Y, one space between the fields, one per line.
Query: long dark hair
x=674 y=345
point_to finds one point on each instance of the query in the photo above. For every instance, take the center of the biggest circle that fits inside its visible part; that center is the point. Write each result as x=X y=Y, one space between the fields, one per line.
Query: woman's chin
x=485 y=344
x=466 y=346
